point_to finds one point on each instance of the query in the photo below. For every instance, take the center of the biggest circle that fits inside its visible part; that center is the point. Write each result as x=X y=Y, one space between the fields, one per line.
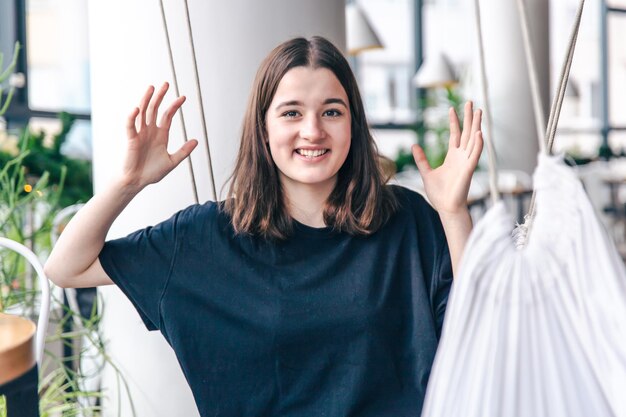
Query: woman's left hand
x=447 y=186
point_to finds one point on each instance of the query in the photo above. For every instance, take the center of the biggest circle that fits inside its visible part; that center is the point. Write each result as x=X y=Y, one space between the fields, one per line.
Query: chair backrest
x=44 y=287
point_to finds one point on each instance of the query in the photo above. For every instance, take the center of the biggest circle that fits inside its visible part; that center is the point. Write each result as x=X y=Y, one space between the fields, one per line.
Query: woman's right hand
x=147 y=159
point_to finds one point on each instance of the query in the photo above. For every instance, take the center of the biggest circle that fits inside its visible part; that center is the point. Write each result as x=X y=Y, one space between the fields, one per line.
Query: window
x=385 y=75
x=55 y=62
x=58 y=55
x=592 y=119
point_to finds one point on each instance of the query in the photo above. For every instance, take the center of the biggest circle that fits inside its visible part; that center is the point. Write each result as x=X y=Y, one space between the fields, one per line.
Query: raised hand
x=147 y=159
x=448 y=185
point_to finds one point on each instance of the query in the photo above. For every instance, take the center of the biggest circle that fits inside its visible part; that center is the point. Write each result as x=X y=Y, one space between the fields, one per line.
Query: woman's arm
x=447 y=186
x=74 y=259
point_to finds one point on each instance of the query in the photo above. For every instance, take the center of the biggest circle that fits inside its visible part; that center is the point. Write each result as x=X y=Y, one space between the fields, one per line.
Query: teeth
x=309 y=153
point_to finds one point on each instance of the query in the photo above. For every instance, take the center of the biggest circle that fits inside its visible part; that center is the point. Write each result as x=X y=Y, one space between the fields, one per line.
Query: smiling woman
x=308 y=126
x=306 y=105
x=315 y=288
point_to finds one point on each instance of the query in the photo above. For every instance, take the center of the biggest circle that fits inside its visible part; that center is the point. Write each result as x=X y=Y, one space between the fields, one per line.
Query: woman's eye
x=332 y=113
x=290 y=114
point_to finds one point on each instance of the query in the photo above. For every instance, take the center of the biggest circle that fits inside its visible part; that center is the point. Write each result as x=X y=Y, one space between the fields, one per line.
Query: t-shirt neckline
x=303 y=229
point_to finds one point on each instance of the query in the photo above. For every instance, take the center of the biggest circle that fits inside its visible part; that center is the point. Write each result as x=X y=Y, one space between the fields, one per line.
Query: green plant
x=4 y=75
x=36 y=180
x=44 y=155
x=433 y=128
x=26 y=214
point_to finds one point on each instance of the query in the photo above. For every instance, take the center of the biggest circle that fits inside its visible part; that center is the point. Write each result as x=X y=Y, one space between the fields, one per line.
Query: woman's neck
x=306 y=202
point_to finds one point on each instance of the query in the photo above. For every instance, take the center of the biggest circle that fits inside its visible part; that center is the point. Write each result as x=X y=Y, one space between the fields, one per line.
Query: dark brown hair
x=359 y=203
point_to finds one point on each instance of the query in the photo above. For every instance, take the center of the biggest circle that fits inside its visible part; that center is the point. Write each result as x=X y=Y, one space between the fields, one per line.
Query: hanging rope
x=524 y=230
x=177 y=92
x=199 y=92
x=491 y=153
x=556 y=110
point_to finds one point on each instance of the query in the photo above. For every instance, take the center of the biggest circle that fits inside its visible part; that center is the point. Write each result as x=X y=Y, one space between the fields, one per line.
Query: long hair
x=359 y=204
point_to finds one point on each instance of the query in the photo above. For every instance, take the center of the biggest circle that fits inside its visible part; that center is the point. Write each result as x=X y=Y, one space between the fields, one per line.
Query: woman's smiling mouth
x=312 y=153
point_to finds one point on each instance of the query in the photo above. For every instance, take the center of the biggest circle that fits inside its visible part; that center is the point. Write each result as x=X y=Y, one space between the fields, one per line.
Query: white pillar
x=128 y=52
x=509 y=85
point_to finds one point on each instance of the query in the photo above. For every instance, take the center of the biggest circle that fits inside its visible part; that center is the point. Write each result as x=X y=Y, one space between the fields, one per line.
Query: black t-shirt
x=322 y=324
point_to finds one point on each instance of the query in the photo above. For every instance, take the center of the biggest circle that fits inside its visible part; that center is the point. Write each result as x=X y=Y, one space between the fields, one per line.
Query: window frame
x=606 y=126
x=418 y=125
x=19 y=112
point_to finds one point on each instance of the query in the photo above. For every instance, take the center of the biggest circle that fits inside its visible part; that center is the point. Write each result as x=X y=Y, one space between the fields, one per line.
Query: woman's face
x=308 y=126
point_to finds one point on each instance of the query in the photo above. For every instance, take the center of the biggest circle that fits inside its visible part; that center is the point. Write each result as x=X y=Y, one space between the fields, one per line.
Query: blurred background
x=73 y=69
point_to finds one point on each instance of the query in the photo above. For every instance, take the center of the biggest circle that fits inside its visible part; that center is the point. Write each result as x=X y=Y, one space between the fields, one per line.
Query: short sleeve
x=140 y=265
x=441 y=283
x=435 y=254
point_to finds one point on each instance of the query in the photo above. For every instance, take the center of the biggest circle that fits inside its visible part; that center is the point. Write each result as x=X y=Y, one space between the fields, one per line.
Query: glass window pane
x=58 y=55
x=77 y=144
x=616 y=3
x=617 y=69
x=7 y=31
x=582 y=103
x=385 y=74
x=617 y=142
x=391 y=142
x=578 y=145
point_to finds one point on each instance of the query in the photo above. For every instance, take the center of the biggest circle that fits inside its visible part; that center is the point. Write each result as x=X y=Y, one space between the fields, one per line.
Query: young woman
x=314 y=289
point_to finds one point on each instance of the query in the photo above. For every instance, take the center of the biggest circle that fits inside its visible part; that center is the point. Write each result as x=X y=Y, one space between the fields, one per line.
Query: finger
x=143 y=106
x=476 y=126
x=467 y=124
x=166 y=119
x=476 y=122
x=470 y=145
x=455 y=129
x=420 y=160
x=475 y=129
x=184 y=151
x=476 y=150
x=153 y=108
x=131 y=130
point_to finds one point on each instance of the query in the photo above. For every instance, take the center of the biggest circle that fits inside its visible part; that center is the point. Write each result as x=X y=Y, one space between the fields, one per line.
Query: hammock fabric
x=538 y=330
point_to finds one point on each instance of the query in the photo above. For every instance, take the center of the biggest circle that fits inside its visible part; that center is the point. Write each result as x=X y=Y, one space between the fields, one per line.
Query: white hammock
x=541 y=330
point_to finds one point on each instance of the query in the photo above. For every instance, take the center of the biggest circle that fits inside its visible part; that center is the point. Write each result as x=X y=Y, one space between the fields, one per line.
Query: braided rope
x=491 y=153
x=199 y=92
x=177 y=92
x=557 y=104
x=531 y=65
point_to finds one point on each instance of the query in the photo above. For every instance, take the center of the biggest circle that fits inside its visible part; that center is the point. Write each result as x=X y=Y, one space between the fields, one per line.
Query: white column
x=507 y=76
x=128 y=52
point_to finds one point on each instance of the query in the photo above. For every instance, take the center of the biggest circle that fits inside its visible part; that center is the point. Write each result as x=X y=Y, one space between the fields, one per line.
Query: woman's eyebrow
x=299 y=103
x=336 y=101
x=288 y=103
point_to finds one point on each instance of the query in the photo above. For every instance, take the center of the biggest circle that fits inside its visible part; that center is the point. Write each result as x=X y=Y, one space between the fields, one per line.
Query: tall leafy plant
x=4 y=75
x=34 y=185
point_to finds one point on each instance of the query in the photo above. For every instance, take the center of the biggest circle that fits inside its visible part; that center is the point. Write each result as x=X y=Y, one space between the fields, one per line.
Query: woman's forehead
x=316 y=84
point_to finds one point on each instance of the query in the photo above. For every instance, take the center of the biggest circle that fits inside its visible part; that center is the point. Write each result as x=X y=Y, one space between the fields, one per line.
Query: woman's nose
x=312 y=129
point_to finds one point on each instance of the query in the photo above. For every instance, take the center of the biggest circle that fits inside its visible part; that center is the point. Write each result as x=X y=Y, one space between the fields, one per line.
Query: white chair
x=18 y=357
x=44 y=298
x=91 y=361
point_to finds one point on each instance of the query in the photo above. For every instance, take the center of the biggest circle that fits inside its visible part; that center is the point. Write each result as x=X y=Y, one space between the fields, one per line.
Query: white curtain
x=537 y=331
